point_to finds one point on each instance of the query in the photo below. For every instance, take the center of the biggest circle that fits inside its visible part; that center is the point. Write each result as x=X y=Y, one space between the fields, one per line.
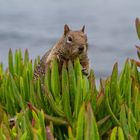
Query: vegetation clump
x=68 y=106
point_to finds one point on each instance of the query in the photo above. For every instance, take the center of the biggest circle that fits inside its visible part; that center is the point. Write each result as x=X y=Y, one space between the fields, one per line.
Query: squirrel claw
x=85 y=71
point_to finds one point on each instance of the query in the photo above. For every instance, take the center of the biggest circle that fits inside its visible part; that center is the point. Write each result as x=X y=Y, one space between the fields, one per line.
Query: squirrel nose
x=81 y=48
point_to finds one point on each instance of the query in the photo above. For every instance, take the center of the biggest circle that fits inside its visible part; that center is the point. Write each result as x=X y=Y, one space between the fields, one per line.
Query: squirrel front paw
x=85 y=71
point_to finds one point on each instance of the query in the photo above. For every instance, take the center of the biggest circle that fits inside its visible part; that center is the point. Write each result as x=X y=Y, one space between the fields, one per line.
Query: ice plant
x=65 y=104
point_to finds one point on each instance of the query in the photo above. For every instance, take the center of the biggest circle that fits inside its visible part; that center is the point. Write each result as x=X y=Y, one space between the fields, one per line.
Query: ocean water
x=38 y=24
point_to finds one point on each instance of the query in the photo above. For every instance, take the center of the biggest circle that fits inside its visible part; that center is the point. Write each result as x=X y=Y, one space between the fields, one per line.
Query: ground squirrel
x=71 y=45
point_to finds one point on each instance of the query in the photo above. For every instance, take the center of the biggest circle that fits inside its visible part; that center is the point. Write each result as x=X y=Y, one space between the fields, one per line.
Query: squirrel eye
x=69 y=39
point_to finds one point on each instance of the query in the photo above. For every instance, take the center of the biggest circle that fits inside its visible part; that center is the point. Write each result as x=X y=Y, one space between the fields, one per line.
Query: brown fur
x=71 y=45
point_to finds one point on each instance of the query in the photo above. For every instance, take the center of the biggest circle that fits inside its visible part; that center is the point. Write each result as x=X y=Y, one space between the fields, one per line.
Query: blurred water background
x=38 y=24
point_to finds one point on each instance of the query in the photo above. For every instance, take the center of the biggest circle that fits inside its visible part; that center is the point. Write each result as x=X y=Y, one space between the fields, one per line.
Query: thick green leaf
x=137 y=22
x=124 y=121
x=138 y=51
x=26 y=57
x=72 y=84
x=70 y=134
x=91 y=130
x=113 y=135
x=85 y=88
x=55 y=81
x=114 y=94
x=80 y=123
x=65 y=93
x=79 y=92
x=92 y=90
x=48 y=79
x=115 y=120
x=10 y=62
x=57 y=110
x=120 y=134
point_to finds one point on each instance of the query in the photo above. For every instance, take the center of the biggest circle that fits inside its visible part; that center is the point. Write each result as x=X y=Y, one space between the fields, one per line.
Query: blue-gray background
x=38 y=24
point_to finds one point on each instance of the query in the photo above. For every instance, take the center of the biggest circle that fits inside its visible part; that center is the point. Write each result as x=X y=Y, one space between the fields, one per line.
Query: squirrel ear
x=66 y=29
x=83 y=29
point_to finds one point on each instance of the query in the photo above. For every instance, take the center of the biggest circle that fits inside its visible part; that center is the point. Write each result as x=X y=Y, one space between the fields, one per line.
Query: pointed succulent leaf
x=114 y=84
x=65 y=93
x=10 y=62
x=124 y=121
x=47 y=79
x=80 y=123
x=24 y=136
x=115 y=120
x=72 y=84
x=132 y=124
x=137 y=22
x=120 y=134
x=55 y=81
x=26 y=57
x=70 y=134
x=113 y=135
x=79 y=91
x=57 y=110
x=138 y=51
x=91 y=130
x=85 y=88
x=92 y=89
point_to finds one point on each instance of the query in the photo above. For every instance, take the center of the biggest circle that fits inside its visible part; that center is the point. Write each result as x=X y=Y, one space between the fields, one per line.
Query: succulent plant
x=68 y=106
x=71 y=109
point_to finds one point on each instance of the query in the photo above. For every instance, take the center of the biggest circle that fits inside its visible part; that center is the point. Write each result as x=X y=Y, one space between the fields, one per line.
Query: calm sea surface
x=38 y=24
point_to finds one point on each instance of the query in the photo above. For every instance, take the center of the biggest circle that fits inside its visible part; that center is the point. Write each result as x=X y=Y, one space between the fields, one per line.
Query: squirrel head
x=75 y=42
